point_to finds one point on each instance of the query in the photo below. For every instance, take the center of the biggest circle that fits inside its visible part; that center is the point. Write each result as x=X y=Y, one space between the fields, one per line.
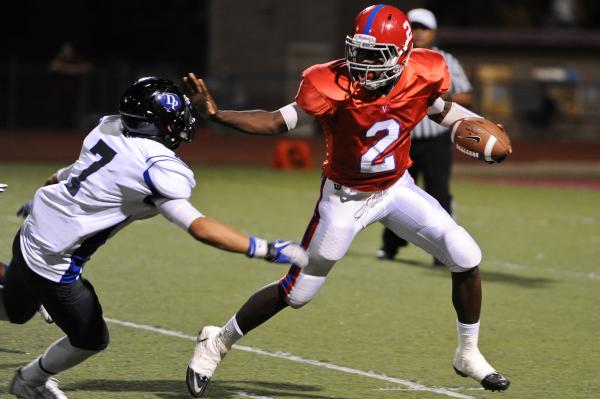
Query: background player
x=127 y=170
x=367 y=104
x=431 y=148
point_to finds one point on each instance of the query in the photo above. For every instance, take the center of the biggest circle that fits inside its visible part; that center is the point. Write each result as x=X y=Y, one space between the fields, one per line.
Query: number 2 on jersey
x=106 y=155
x=371 y=161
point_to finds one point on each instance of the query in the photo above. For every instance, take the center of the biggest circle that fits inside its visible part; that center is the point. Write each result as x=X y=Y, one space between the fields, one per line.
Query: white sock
x=59 y=356
x=468 y=335
x=230 y=332
x=34 y=373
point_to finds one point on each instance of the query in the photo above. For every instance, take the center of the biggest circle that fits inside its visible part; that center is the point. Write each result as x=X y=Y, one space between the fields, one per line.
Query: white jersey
x=114 y=182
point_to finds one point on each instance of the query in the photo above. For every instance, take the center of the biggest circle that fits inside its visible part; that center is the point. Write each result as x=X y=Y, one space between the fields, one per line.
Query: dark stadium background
x=534 y=65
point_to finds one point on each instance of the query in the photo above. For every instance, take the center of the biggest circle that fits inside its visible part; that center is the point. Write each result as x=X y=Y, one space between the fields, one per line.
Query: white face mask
x=373 y=64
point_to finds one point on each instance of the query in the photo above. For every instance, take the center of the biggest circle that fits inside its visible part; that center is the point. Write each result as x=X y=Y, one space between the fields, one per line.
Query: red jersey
x=368 y=138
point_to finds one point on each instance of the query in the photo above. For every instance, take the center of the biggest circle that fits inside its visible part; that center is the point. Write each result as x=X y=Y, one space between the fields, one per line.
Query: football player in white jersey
x=127 y=170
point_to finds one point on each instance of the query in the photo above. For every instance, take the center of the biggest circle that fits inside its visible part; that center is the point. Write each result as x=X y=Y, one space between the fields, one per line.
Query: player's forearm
x=253 y=122
x=446 y=113
x=218 y=235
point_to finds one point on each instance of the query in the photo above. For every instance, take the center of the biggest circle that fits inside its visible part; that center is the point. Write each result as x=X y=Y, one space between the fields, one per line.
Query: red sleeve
x=441 y=80
x=312 y=100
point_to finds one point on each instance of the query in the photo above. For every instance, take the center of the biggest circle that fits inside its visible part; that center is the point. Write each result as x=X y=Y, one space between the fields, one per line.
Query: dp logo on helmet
x=170 y=101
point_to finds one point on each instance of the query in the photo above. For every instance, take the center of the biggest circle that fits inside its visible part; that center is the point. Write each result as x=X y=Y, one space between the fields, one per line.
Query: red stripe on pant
x=288 y=281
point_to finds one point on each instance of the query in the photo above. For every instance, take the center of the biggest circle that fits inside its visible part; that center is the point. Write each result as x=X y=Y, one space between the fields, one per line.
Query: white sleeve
x=178 y=211
x=437 y=106
x=456 y=113
x=294 y=116
x=170 y=178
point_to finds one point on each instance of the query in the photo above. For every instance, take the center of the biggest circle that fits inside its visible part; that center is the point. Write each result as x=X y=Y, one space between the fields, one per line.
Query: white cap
x=423 y=17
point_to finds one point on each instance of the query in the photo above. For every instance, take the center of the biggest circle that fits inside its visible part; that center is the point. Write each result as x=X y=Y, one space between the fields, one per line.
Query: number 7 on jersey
x=106 y=155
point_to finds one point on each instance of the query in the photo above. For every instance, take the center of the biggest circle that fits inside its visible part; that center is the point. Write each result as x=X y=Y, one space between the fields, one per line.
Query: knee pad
x=462 y=249
x=305 y=288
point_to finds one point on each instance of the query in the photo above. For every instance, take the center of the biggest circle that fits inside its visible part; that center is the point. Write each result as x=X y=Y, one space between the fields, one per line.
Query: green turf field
x=540 y=320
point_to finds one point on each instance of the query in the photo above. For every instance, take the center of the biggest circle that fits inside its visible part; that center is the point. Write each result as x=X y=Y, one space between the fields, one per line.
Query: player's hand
x=200 y=96
x=278 y=251
x=2 y=187
x=24 y=210
x=281 y=251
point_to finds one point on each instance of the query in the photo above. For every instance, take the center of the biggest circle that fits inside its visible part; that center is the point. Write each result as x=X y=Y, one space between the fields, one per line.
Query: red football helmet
x=379 y=45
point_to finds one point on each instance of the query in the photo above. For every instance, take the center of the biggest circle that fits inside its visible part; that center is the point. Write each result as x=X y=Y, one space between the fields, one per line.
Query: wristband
x=258 y=248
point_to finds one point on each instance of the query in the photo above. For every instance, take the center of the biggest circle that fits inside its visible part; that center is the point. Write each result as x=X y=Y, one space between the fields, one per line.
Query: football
x=481 y=139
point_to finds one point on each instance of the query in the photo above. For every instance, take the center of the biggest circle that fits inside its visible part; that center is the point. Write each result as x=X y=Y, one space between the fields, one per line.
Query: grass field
x=388 y=325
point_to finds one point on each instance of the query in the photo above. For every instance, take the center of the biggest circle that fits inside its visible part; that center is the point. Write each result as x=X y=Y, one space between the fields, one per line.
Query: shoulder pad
x=428 y=61
x=330 y=79
x=169 y=177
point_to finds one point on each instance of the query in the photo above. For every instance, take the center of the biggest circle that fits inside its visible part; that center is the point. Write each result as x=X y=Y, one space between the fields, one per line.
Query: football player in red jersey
x=367 y=104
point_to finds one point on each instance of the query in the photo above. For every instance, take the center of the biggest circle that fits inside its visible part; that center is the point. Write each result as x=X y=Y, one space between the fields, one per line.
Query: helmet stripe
x=372 y=18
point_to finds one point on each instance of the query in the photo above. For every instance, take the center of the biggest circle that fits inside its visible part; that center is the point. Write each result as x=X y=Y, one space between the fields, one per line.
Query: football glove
x=24 y=210
x=2 y=187
x=279 y=251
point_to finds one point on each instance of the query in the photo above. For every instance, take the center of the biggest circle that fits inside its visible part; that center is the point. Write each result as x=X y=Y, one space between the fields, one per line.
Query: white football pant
x=406 y=209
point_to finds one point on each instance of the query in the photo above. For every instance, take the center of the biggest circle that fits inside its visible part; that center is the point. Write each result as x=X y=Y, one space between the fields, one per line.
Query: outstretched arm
x=253 y=122
x=222 y=236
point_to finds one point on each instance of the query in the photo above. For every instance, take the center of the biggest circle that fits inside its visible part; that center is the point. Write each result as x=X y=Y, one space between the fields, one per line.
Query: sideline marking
x=288 y=356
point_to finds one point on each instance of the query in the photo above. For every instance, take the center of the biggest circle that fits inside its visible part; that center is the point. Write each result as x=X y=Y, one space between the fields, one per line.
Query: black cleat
x=491 y=382
x=495 y=382
x=196 y=383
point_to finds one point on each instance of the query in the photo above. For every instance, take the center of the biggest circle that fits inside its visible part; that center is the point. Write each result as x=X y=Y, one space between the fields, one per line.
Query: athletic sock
x=468 y=335
x=59 y=356
x=230 y=333
x=34 y=373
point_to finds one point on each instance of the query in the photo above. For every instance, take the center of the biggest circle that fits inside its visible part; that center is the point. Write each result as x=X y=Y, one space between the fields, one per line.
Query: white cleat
x=209 y=352
x=472 y=364
x=22 y=389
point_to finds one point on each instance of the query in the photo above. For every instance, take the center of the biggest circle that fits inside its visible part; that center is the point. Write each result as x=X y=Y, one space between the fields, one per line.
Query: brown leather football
x=481 y=139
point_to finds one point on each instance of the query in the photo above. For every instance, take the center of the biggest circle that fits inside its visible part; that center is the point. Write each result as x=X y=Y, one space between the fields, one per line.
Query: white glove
x=278 y=251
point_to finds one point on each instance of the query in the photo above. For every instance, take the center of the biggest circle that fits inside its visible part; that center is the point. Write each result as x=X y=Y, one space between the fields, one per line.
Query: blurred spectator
x=67 y=100
x=563 y=13
x=68 y=61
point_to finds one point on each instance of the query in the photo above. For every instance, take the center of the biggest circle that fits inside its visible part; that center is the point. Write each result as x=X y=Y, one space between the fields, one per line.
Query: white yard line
x=552 y=270
x=288 y=356
x=249 y=395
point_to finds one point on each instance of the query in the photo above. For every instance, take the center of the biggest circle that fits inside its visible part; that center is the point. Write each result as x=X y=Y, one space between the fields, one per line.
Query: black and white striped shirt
x=460 y=84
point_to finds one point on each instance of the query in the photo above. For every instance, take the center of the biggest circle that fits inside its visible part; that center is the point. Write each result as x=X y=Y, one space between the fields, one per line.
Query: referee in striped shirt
x=431 y=149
